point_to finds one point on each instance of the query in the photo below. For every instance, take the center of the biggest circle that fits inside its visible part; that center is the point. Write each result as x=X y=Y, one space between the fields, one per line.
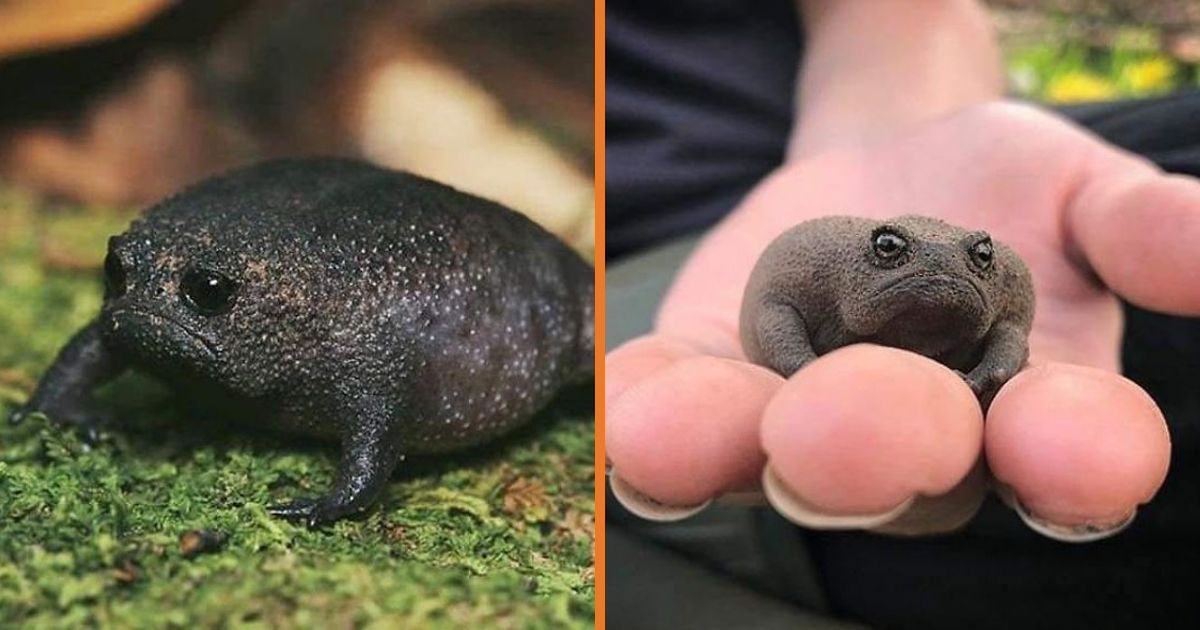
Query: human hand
x=880 y=438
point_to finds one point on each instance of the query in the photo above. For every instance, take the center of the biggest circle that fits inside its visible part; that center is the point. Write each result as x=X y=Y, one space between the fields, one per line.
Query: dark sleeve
x=699 y=108
x=1163 y=130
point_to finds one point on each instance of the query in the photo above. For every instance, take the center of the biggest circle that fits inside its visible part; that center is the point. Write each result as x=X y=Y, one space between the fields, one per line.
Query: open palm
x=866 y=435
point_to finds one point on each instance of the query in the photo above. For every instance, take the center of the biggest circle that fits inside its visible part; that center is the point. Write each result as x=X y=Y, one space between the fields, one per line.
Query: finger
x=688 y=432
x=946 y=512
x=856 y=437
x=1138 y=230
x=1078 y=448
x=637 y=360
x=626 y=366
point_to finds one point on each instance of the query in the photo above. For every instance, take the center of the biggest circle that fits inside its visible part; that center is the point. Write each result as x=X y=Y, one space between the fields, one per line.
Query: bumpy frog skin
x=911 y=282
x=334 y=299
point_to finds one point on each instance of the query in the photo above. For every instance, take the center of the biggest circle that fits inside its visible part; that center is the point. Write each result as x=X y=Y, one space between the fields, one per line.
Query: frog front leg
x=370 y=453
x=63 y=393
x=782 y=338
x=1006 y=349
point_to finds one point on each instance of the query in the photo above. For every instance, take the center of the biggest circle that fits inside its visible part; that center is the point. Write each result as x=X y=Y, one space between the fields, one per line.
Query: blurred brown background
x=120 y=102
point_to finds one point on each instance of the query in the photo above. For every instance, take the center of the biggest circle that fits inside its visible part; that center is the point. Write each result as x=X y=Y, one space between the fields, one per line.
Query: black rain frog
x=338 y=300
x=912 y=282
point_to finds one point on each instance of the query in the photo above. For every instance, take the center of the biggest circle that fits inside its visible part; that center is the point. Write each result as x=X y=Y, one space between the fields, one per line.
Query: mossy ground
x=501 y=536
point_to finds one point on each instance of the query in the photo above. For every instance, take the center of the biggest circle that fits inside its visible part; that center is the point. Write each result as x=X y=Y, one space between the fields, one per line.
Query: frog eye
x=888 y=244
x=114 y=275
x=982 y=253
x=207 y=292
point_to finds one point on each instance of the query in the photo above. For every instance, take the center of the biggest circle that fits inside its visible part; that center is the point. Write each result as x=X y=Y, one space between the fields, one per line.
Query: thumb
x=1139 y=230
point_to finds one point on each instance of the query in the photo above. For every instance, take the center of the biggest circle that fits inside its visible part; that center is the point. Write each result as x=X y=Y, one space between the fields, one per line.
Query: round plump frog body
x=333 y=298
x=912 y=282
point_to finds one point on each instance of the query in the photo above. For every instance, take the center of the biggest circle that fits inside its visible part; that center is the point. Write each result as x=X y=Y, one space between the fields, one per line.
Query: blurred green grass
x=1062 y=62
x=500 y=537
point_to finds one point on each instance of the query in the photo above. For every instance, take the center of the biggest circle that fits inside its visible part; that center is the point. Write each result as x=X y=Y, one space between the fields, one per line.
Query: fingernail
x=743 y=498
x=796 y=510
x=945 y=513
x=1082 y=533
x=643 y=506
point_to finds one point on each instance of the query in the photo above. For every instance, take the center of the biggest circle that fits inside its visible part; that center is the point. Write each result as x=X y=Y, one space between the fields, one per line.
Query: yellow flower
x=1150 y=75
x=1077 y=86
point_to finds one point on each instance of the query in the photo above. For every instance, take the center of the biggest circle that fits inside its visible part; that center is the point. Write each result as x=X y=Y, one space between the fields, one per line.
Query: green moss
x=501 y=536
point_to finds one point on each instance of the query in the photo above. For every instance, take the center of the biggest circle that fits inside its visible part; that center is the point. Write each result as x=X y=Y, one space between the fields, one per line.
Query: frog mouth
x=933 y=284
x=164 y=332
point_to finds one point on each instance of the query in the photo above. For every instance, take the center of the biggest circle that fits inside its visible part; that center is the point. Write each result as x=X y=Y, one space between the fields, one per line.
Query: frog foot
x=87 y=421
x=312 y=512
x=983 y=386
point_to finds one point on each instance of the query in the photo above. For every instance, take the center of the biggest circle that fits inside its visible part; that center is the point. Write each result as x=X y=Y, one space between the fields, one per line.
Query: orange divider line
x=598 y=183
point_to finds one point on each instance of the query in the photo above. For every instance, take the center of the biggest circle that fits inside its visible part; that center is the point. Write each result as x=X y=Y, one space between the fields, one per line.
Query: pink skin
x=669 y=427
x=1076 y=442
x=1076 y=466
x=894 y=439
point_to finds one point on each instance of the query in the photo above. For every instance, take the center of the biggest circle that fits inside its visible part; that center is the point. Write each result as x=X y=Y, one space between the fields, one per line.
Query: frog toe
x=17 y=417
x=293 y=510
x=312 y=512
x=88 y=422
